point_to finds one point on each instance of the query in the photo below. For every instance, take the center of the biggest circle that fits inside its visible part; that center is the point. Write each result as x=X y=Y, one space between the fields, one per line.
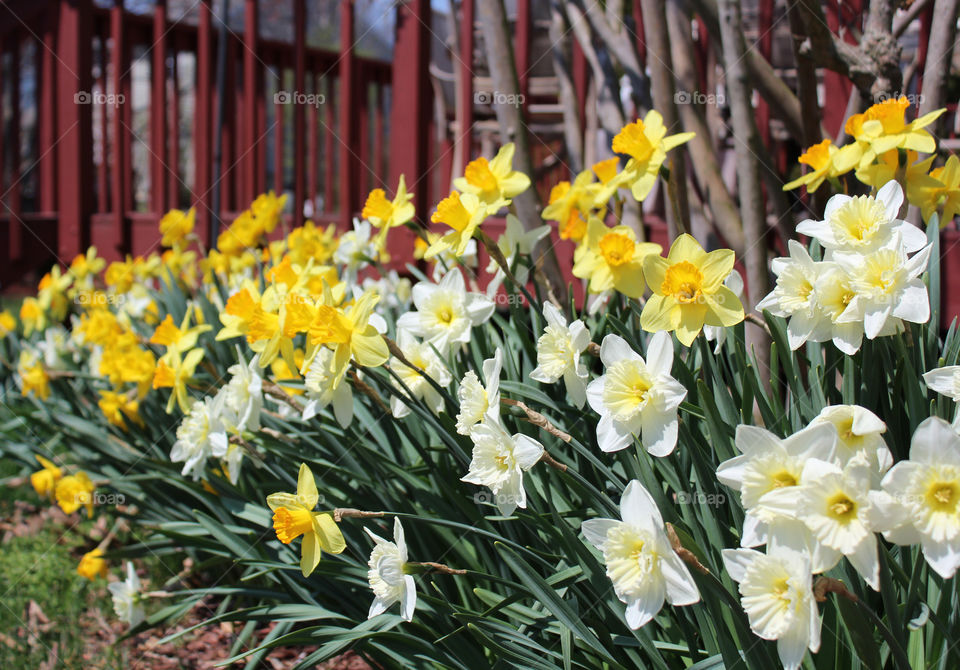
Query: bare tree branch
x=939 y=54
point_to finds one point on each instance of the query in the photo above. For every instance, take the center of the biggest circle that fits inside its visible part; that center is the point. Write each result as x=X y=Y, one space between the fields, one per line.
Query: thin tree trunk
x=748 y=167
x=939 y=54
x=503 y=72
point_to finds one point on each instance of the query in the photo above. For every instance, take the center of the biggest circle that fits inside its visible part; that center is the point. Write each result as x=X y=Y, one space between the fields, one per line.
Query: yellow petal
x=725 y=308
x=691 y=322
x=369 y=349
x=660 y=313
x=309 y=553
x=716 y=266
x=328 y=533
x=306 y=487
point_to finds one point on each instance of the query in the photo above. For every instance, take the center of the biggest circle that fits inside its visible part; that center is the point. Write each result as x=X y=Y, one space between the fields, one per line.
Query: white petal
x=659 y=353
x=614 y=349
x=638 y=509
x=595 y=530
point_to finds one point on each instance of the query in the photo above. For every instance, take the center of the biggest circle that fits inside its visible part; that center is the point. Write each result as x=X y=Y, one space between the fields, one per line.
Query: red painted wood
x=75 y=146
x=926 y=20
x=465 y=63
x=836 y=86
x=12 y=202
x=252 y=94
x=47 y=134
x=328 y=148
x=364 y=169
x=279 y=111
x=228 y=175
x=581 y=78
x=119 y=166
x=410 y=116
x=299 y=111
x=173 y=174
x=313 y=157
x=522 y=38
x=203 y=124
x=378 y=165
x=158 y=108
x=347 y=110
x=640 y=37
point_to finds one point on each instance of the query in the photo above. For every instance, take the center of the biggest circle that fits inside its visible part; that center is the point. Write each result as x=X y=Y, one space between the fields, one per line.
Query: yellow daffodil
x=572 y=204
x=495 y=181
x=826 y=161
x=606 y=170
x=8 y=324
x=884 y=127
x=32 y=316
x=45 y=481
x=688 y=290
x=611 y=258
x=120 y=275
x=92 y=565
x=33 y=376
x=87 y=265
x=52 y=293
x=646 y=143
x=176 y=338
x=385 y=214
x=293 y=516
x=887 y=168
x=308 y=242
x=174 y=372
x=267 y=209
x=115 y=406
x=75 y=491
x=463 y=212
x=176 y=225
x=350 y=333
x=943 y=193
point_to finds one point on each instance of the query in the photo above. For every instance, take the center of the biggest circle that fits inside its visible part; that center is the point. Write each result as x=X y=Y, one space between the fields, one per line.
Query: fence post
x=74 y=122
x=158 y=109
x=410 y=113
x=252 y=92
x=299 y=112
x=203 y=156
x=348 y=117
x=464 y=108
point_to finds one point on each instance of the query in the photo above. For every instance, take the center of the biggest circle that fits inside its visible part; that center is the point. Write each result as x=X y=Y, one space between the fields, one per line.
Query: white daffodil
x=558 y=354
x=446 y=312
x=793 y=296
x=859 y=433
x=126 y=598
x=479 y=403
x=835 y=506
x=322 y=389
x=768 y=464
x=231 y=460
x=499 y=461
x=887 y=286
x=776 y=591
x=387 y=576
x=201 y=432
x=927 y=488
x=834 y=291
x=356 y=249
x=946 y=381
x=642 y=565
x=243 y=397
x=423 y=356
x=636 y=397
x=734 y=282
x=394 y=290
x=863 y=224
x=514 y=240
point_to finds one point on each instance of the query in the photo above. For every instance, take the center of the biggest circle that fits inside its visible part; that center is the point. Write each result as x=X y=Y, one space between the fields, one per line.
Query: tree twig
x=537 y=419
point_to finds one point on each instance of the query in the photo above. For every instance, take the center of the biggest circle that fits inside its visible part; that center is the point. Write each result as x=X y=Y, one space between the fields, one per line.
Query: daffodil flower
x=179 y=339
x=176 y=225
x=446 y=311
x=357 y=249
x=688 y=290
x=941 y=191
x=198 y=433
x=75 y=491
x=495 y=181
x=767 y=465
x=859 y=434
x=499 y=461
x=351 y=333
x=558 y=354
x=463 y=213
x=826 y=161
x=611 y=258
x=718 y=334
x=387 y=575
x=636 y=397
x=92 y=565
x=127 y=597
x=884 y=127
x=644 y=568
x=478 y=402
x=243 y=397
x=174 y=372
x=794 y=296
x=423 y=356
x=323 y=389
x=863 y=224
x=945 y=381
x=571 y=205
x=776 y=591
x=293 y=516
x=926 y=492
x=386 y=214
x=646 y=143
x=45 y=481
